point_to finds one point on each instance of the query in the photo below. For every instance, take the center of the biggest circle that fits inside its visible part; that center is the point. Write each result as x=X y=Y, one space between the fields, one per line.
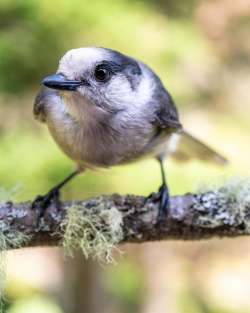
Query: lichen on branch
x=94 y=232
x=10 y=238
x=225 y=205
x=96 y=225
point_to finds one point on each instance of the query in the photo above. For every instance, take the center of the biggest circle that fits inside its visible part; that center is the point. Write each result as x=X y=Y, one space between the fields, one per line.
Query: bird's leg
x=162 y=196
x=41 y=202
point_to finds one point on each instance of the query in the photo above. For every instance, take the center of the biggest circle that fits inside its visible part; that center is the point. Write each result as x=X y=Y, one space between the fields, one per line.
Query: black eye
x=102 y=74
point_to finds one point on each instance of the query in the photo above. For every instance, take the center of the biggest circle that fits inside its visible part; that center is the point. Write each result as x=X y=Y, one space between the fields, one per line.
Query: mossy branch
x=96 y=225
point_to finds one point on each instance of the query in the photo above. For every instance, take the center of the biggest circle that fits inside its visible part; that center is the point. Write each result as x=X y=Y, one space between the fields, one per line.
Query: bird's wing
x=41 y=101
x=39 y=105
x=166 y=114
x=187 y=146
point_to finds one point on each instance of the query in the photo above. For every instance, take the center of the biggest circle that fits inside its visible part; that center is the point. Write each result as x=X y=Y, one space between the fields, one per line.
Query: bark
x=216 y=213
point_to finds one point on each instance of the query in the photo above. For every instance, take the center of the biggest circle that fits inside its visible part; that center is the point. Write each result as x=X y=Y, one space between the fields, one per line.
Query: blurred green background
x=201 y=50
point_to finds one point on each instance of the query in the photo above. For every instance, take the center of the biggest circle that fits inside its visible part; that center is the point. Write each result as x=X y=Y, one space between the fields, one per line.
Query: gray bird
x=104 y=108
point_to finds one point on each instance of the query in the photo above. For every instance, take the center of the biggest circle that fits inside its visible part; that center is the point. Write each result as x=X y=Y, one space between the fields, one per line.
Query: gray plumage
x=118 y=120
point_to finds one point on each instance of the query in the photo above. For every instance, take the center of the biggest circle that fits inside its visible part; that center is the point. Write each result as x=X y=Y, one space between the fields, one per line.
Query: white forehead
x=77 y=60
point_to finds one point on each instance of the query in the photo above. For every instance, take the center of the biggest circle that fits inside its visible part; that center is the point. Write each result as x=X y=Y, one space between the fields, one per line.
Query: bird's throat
x=82 y=109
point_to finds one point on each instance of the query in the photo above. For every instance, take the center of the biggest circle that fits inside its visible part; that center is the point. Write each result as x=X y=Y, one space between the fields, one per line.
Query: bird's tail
x=191 y=148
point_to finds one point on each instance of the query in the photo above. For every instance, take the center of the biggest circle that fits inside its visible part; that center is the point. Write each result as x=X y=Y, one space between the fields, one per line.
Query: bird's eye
x=102 y=74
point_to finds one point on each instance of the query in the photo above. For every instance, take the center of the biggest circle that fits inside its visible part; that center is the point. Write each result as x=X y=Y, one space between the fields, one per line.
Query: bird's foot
x=162 y=196
x=42 y=202
x=164 y=203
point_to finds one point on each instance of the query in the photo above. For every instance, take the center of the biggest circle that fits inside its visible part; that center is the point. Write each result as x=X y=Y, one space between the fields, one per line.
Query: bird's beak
x=59 y=82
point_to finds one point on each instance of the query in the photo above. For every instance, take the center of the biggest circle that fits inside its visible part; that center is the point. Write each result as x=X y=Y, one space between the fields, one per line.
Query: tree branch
x=221 y=212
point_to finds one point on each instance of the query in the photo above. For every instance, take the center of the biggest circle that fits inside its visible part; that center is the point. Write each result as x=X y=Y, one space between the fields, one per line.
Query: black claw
x=164 y=203
x=163 y=198
x=41 y=203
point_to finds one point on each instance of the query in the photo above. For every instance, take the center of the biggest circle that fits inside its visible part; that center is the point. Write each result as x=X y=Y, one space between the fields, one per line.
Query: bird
x=104 y=108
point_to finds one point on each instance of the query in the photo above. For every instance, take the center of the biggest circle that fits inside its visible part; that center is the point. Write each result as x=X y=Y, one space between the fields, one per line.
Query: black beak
x=59 y=82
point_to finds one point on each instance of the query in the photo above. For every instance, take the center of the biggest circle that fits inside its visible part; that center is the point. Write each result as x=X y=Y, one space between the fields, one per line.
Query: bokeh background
x=201 y=50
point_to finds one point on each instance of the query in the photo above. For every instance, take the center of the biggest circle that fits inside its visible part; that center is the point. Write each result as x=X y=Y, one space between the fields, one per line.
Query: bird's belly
x=91 y=147
x=76 y=146
x=94 y=140
x=99 y=146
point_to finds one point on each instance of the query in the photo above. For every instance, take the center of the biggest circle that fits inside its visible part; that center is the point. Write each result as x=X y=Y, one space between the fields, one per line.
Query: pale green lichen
x=94 y=232
x=9 y=238
x=14 y=239
x=228 y=204
x=238 y=189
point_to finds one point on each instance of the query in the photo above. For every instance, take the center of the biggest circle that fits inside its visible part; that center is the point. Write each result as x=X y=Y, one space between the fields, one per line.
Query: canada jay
x=104 y=108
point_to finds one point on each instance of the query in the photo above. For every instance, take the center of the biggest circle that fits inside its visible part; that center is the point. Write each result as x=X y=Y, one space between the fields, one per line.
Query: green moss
x=94 y=232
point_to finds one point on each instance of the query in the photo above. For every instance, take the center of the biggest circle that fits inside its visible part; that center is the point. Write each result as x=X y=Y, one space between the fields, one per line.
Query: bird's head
x=102 y=77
